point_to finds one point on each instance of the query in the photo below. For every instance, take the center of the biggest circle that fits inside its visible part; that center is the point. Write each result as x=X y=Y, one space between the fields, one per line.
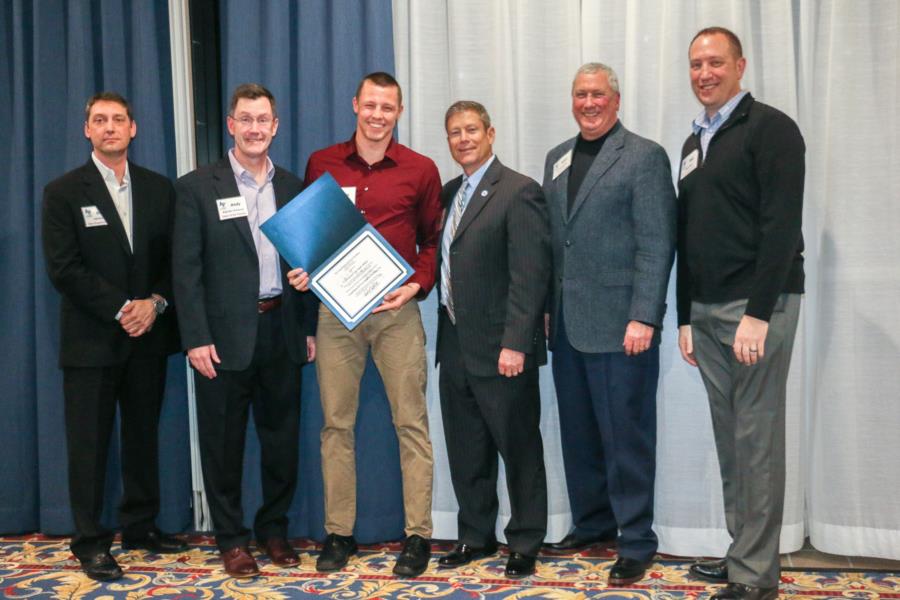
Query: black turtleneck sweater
x=582 y=158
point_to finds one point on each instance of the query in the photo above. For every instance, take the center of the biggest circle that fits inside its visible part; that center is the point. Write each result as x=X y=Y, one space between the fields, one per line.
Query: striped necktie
x=459 y=205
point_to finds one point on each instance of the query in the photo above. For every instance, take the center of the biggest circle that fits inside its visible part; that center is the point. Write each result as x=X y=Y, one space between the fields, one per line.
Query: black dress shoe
x=156 y=542
x=626 y=571
x=413 y=559
x=101 y=567
x=519 y=565
x=573 y=542
x=739 y=591
x=336 y=552
x=463 y=554
x=711 y=570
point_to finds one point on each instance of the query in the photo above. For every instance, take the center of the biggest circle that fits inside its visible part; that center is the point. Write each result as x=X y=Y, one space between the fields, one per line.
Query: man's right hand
x=202 y=359
x=299 y=279
x=686 y=345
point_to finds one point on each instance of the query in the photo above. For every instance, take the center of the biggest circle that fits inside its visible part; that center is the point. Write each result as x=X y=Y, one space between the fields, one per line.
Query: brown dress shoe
x=280 y=552
x=238 y=562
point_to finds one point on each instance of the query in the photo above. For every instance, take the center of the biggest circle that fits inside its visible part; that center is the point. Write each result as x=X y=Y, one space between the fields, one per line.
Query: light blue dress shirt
x=260 y=201
x=473 y=180
x=707 y=127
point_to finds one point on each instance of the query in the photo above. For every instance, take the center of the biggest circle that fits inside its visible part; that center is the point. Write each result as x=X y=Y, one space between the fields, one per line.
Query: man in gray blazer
x=612 y=214
x=494 y=269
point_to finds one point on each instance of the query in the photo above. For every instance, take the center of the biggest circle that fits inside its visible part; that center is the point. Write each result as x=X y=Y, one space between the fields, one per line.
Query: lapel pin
x=483 y=193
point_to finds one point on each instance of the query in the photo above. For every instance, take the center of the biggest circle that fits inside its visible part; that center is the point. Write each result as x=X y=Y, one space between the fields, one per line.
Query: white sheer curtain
x=834 y=67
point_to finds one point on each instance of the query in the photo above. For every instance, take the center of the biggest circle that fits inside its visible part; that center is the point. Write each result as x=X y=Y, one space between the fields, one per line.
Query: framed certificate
x=351 y=266
x=353 y=281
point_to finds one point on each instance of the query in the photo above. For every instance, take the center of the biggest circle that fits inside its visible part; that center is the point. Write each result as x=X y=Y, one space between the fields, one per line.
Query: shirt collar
x=389 y=153
x=241 y=173
x=109 y=175
x=475 y=178
x=704 y=122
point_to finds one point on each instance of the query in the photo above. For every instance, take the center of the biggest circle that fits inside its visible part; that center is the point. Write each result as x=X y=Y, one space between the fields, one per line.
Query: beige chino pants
x=397 y=341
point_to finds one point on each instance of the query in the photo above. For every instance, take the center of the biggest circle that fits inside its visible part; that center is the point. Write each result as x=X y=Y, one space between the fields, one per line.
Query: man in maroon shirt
x=397 y=191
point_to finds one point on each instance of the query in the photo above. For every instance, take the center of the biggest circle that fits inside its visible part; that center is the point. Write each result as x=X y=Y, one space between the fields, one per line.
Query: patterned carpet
x=41 y=567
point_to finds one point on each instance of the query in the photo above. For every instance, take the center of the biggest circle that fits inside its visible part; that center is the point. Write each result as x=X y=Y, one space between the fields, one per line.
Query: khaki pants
x=397 y=340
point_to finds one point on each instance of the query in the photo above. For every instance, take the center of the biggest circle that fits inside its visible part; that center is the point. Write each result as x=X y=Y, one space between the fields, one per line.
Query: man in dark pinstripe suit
x=494 y=275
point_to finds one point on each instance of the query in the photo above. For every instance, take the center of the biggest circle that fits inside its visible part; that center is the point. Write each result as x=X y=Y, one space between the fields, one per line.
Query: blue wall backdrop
x=311 y=55
x=55 y=54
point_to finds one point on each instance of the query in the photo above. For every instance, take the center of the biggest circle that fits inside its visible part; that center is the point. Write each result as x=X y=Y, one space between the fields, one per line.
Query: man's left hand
x=637 y=338
x=750 y=340
x=511 y=362
x=138 y=317
x=399 y=297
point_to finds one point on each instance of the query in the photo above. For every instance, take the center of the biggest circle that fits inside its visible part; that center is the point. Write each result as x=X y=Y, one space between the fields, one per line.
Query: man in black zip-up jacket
x=740 y=276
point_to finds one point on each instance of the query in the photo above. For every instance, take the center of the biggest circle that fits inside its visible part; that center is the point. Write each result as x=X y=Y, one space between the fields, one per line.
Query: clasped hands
x=138 y=317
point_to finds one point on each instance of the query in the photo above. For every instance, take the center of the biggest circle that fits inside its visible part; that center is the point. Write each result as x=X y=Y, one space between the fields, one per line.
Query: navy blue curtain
x=55 y=54
x=312 y=55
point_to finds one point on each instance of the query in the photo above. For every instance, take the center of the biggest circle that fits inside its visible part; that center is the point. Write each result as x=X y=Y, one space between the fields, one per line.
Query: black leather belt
x=264 y=305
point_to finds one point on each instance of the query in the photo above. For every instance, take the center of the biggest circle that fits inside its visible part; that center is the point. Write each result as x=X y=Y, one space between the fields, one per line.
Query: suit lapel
x=609 y=154
x=96 y=191
x=447 y=200
x=480 y=197
x=226 y=187
x=561 y=183
x=281 y=197
x=141 y=209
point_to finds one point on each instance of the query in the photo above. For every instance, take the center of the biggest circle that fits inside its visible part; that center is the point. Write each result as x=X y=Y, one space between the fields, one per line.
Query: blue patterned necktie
x=459 y=205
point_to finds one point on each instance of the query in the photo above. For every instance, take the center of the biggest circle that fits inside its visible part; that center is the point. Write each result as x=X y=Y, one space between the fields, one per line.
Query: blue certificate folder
x=314 y=225
x=320 y=230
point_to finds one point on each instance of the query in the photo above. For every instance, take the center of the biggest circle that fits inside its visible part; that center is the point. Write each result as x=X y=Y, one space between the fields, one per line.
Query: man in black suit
x=494 y=273
x=106 y=236
x=246 y=331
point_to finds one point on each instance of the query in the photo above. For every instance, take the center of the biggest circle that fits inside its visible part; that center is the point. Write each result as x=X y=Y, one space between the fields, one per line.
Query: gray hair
x=595 y=67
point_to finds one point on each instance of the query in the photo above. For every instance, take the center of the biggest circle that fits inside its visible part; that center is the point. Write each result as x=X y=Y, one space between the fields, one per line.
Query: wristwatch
x=159 y=304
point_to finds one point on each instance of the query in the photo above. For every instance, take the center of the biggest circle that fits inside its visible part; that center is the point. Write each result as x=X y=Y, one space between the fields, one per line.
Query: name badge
x=562 y=164
x=689 y=163
x=92 y=216
x=351 y=193
x=231 y=208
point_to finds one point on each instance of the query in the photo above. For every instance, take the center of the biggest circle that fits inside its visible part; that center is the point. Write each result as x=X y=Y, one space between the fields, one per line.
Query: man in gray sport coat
x=612 y=213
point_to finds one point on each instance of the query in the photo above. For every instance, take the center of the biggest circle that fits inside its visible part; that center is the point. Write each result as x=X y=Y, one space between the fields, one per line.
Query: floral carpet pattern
x=41 y=567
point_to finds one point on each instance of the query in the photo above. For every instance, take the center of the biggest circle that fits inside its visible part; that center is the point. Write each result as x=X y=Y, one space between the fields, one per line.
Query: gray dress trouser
x=747 y=404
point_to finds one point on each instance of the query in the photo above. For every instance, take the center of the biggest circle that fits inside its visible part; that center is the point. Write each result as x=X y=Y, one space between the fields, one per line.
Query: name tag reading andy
x=562 y=164
x=92 y=216
x=689 y=163
x=231 y=208
x=351 y=193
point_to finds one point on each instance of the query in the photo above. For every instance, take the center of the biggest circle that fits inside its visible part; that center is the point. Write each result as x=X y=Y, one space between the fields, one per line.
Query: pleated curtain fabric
x=832 y=66
x=61 y=53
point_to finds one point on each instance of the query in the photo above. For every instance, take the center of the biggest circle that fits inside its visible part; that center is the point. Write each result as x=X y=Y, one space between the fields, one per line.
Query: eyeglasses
x=246 y=121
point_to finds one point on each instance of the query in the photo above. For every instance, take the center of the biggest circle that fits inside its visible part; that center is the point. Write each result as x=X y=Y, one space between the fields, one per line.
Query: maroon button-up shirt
x=399 y=196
